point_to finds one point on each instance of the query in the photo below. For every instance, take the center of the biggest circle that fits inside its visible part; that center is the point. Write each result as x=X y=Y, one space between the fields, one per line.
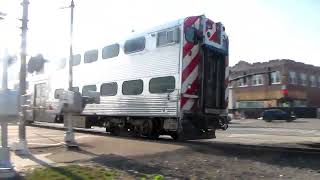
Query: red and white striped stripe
x=190 y=67
x=226 y=82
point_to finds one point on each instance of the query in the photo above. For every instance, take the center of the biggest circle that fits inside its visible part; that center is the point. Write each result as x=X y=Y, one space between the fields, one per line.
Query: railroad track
x=213 y=145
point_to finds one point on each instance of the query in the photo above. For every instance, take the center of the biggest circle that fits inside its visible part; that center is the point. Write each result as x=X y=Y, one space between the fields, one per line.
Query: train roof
x=156 y=28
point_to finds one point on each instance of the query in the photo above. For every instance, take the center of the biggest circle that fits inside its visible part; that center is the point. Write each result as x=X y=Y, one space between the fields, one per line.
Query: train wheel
x=115 y=131
x=177 y=136
x=146 y=128
x=155 y=133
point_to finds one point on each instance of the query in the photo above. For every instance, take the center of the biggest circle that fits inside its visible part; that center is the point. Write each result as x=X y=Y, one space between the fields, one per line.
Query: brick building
x=291 y=84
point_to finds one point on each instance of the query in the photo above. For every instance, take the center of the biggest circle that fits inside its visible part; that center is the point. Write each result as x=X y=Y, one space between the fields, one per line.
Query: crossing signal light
x=36 y=63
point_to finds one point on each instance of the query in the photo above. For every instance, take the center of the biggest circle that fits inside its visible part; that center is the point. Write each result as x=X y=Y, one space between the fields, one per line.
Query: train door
x=40 y=97
x=213 y=80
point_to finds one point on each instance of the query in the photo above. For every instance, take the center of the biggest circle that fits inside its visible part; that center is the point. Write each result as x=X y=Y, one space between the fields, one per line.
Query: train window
x=76 y=59
x=162 y=84
x=134 y=45
x=168 y=37
x=110 y=51
x=90 y=56
x=134 y=87
x=86 y=89
x=57 y=93
x=109 y=89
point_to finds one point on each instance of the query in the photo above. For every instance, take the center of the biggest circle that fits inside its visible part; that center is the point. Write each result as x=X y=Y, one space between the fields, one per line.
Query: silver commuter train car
x=171 y=80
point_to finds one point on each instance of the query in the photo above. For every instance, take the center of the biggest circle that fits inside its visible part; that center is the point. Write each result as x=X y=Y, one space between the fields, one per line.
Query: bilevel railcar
x=169 y=80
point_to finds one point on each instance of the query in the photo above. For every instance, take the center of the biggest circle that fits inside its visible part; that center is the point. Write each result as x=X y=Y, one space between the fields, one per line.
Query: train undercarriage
x=179 y=129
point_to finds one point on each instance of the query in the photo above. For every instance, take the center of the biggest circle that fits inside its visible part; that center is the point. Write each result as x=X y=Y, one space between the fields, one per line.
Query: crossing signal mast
x=21 y=144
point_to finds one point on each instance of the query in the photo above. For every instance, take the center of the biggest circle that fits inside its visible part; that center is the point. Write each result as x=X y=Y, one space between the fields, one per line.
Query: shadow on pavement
x=277 y=156
x=179 y=162
x=132 y=165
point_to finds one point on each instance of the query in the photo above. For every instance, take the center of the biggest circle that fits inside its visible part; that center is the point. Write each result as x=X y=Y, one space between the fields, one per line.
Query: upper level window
x=134 y=87
x=313 y=81
x=162 y=84
x=275 y=77
x=90 y=56
x=303 y=78
x=293 y=78
x=242 y=82
x=109 y=89
x=86 y=89
x=257 y=80
x=134 y=45
x=167 y=37
x=76 y=60
x=110 y=51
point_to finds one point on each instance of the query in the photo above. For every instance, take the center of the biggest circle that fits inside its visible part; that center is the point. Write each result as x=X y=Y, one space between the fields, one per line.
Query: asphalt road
x=301 y=132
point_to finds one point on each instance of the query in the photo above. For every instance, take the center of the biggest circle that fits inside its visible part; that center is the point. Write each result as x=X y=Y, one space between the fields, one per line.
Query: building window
x=167 y=37
x=242 y=82
x=90 y=56
x=86 y=89
x=110 y=51
x=318 y=81
x=313 y=81
x=109 y=89
x=275 y=77
x=134 y=87
x=250 y=104
x=257 y=80
x=303 y=78
x=293 y=78
x=76 y=60
x=134 y=45
x=162 y=84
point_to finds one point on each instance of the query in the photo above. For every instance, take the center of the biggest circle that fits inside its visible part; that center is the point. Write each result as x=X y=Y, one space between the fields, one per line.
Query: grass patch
x=71 y=172
x=151 y=177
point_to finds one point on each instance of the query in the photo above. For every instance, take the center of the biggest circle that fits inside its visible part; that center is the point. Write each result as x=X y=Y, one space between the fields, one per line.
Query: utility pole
x=21 y=145
x=69 y=134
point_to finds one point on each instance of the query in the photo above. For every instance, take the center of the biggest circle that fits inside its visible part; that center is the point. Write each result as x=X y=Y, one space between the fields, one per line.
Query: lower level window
x=109 y=89
x=86 y=89
x=162 y=84
x=134 y=87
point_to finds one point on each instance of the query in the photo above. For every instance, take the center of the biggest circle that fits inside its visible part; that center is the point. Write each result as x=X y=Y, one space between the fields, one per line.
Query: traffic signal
x=36 y=63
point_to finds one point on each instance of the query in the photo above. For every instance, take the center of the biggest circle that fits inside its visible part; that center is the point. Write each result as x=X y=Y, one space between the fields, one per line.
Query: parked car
x=277 y=114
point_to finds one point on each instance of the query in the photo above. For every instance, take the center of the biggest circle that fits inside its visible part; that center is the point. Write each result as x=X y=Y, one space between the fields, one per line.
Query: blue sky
x=258 y=30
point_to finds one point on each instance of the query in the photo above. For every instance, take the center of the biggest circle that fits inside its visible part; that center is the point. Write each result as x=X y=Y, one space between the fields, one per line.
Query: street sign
x=9 y=104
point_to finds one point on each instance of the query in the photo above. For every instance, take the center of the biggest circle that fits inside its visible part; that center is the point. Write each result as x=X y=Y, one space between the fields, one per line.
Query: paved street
x=178 y=160
x=300 y=132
